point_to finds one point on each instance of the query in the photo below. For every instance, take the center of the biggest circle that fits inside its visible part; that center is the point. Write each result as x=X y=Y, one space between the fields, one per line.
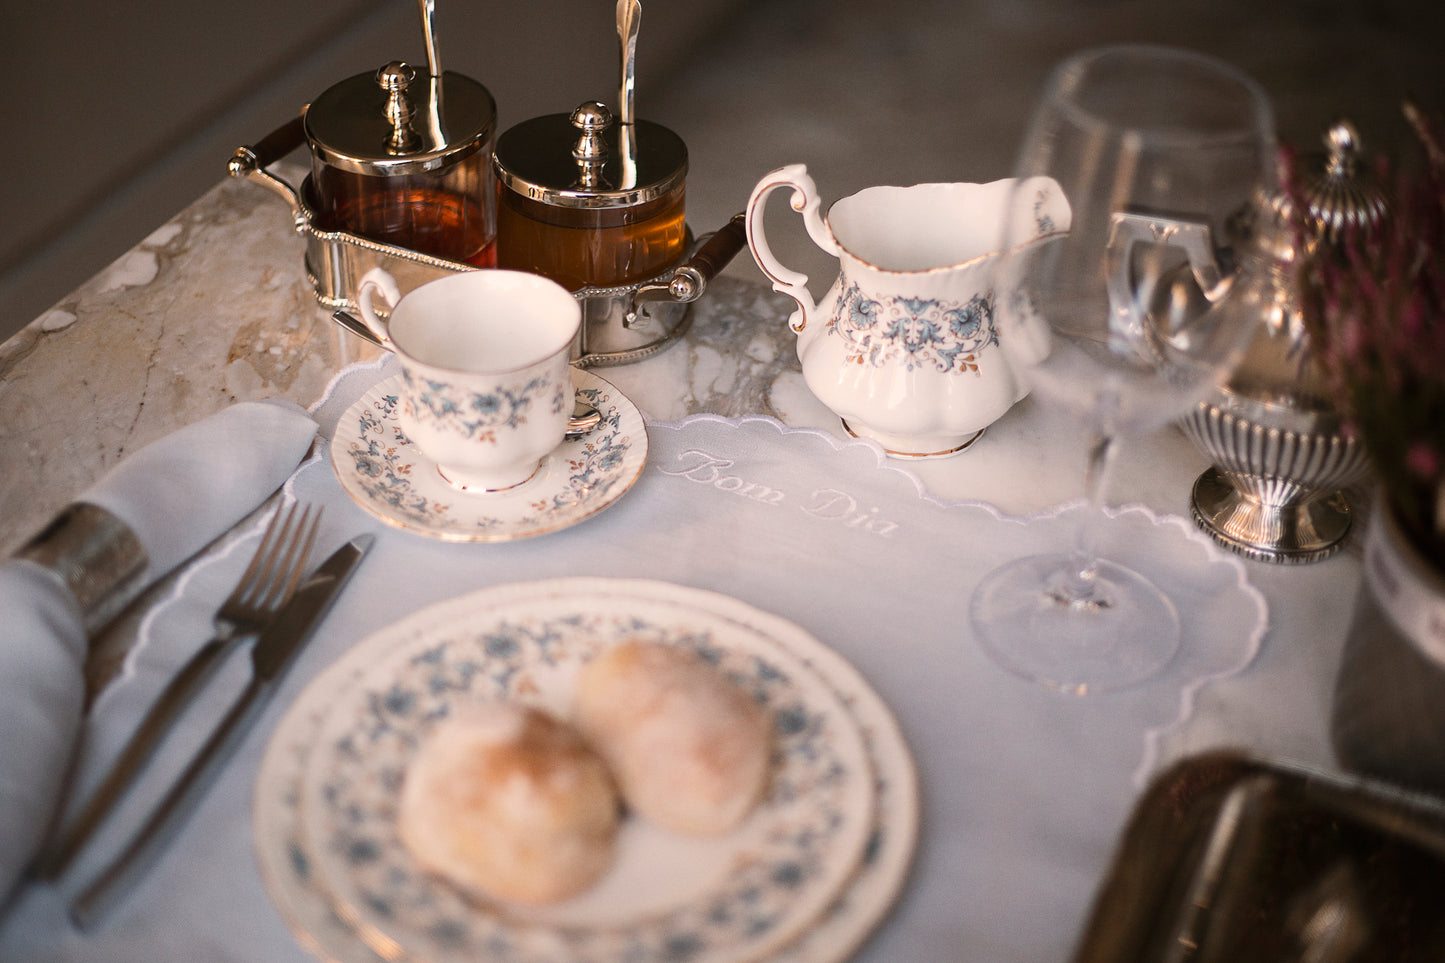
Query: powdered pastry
x=689 y=749
x=507 y=801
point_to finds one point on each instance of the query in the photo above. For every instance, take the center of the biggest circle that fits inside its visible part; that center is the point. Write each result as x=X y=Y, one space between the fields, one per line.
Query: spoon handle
x=629 y=21
x=428 y=11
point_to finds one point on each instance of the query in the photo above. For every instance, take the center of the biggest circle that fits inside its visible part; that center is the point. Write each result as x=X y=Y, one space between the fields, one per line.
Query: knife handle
x=273 y=652
x=182 y=688
x=170 y=814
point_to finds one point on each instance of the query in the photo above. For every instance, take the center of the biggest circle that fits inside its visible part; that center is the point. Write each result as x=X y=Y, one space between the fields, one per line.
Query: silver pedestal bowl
x=1275 y=491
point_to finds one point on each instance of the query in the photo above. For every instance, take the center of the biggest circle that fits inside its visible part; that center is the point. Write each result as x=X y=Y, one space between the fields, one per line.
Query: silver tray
x=1229 y=858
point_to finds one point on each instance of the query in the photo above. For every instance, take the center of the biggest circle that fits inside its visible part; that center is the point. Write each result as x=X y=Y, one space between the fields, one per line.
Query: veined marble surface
x=210 y=309
x=215 y=308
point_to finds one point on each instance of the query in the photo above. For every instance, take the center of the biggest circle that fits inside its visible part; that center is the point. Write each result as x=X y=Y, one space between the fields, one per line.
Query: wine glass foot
x=1029 y=623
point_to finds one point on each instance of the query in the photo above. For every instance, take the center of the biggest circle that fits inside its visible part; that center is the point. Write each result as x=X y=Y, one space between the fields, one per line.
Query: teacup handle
x=377 y=279
x=805 y=201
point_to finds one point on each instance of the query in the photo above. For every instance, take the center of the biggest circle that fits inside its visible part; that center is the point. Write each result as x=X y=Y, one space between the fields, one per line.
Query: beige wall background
x=121 y=113
x=117 y=115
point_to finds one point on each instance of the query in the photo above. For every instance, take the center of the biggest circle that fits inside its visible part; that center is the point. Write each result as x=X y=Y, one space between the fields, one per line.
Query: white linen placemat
x=1023 y=789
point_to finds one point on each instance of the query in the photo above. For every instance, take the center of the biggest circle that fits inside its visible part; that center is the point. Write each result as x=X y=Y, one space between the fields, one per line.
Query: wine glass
x=1114 y=300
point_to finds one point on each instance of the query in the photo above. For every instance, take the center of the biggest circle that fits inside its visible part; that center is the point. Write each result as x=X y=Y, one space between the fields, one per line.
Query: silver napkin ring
x=95 y=555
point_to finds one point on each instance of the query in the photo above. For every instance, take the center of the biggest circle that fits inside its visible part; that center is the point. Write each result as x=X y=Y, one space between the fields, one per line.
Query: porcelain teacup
x=486 y=373
x=903 y=347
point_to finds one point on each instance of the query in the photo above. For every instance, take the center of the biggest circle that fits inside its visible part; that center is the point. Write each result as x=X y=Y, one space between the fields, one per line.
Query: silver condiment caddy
x=359 y=131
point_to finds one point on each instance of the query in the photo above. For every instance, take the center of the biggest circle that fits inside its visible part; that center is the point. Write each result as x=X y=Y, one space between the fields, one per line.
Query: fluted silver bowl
x=1275 y=491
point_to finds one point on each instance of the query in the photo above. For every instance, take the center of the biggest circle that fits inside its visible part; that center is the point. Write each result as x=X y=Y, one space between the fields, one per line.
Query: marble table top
x=214 y=308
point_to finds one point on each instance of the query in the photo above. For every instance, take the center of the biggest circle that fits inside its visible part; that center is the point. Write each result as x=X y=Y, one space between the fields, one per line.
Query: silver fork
x=264 y=587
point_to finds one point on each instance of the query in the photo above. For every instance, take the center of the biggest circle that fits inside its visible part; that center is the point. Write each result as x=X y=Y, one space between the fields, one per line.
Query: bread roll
x=688 y=748
x=506 y=801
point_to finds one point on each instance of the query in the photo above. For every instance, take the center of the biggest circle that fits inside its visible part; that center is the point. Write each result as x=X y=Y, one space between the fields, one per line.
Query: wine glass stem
x=1079 y=588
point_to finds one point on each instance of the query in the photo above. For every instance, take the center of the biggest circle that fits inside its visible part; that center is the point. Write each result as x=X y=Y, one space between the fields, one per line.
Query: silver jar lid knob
x=379 y=123
x=592 y=119
x=394 y=79
x=1342 y=196
x=576 y=160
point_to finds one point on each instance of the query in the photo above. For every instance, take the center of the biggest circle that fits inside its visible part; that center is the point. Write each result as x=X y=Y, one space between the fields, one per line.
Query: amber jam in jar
x=581 y=248
x=409 y=212
x=590 y=203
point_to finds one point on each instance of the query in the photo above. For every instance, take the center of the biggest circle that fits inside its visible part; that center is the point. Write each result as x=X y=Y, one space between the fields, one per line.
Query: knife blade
x=270 y=656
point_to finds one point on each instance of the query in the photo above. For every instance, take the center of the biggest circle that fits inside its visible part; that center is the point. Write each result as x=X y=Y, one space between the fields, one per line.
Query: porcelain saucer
x=386 y=474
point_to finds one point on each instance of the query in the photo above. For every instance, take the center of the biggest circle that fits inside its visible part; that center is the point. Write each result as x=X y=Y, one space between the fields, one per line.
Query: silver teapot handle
x=1131 y=297
x=251 y=162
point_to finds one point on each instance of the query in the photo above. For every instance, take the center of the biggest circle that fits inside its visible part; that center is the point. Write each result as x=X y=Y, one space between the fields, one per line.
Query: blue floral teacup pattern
x=484 y=432
x=939 y=334
x=478 y=415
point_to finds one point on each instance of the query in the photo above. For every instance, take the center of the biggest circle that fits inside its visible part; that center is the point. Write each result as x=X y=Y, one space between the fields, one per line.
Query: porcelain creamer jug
x=902 y=347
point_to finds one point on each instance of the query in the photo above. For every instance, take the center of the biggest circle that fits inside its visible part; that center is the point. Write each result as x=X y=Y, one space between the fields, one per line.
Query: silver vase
x=1388 y=715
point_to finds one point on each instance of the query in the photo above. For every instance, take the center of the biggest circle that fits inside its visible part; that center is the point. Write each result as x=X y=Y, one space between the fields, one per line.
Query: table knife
x=270 y=656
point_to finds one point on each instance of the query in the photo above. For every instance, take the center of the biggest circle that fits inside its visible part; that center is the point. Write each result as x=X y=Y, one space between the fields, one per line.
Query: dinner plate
x=735 y=897
x=534 y=636
x=385 y=473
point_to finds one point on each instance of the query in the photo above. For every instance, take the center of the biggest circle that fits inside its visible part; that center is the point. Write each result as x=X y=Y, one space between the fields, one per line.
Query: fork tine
x=263 y=554
x=288 y=576
x=300 y=568
x=259 y=587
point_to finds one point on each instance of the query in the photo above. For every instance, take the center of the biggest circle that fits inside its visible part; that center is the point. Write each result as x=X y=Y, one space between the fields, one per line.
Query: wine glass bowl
x=1126 y=319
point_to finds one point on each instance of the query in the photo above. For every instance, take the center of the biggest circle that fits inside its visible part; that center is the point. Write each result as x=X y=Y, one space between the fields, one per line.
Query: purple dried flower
x=1373 y=301
x=1422 y=461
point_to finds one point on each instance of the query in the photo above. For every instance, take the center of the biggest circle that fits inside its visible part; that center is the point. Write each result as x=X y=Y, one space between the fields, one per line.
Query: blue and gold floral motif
x=1044 y=223
x=476 y=414
x=933 y=333
x=378 y=726
x=380 y=467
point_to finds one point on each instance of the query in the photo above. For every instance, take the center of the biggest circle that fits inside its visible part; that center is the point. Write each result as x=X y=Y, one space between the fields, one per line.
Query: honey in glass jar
x=590 y=203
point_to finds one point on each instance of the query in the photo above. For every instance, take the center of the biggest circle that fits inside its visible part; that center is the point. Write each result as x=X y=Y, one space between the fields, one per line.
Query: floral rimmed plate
x=534 y=636
x=384 y=473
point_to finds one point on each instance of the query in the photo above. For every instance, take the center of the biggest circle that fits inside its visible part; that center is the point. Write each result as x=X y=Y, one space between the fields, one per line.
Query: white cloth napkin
x=42 y=675
x=176 y=494
x=1023 y=789
x=181 y=491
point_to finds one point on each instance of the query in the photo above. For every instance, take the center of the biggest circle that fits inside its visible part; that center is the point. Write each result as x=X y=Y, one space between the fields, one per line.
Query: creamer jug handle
x=805 y=201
